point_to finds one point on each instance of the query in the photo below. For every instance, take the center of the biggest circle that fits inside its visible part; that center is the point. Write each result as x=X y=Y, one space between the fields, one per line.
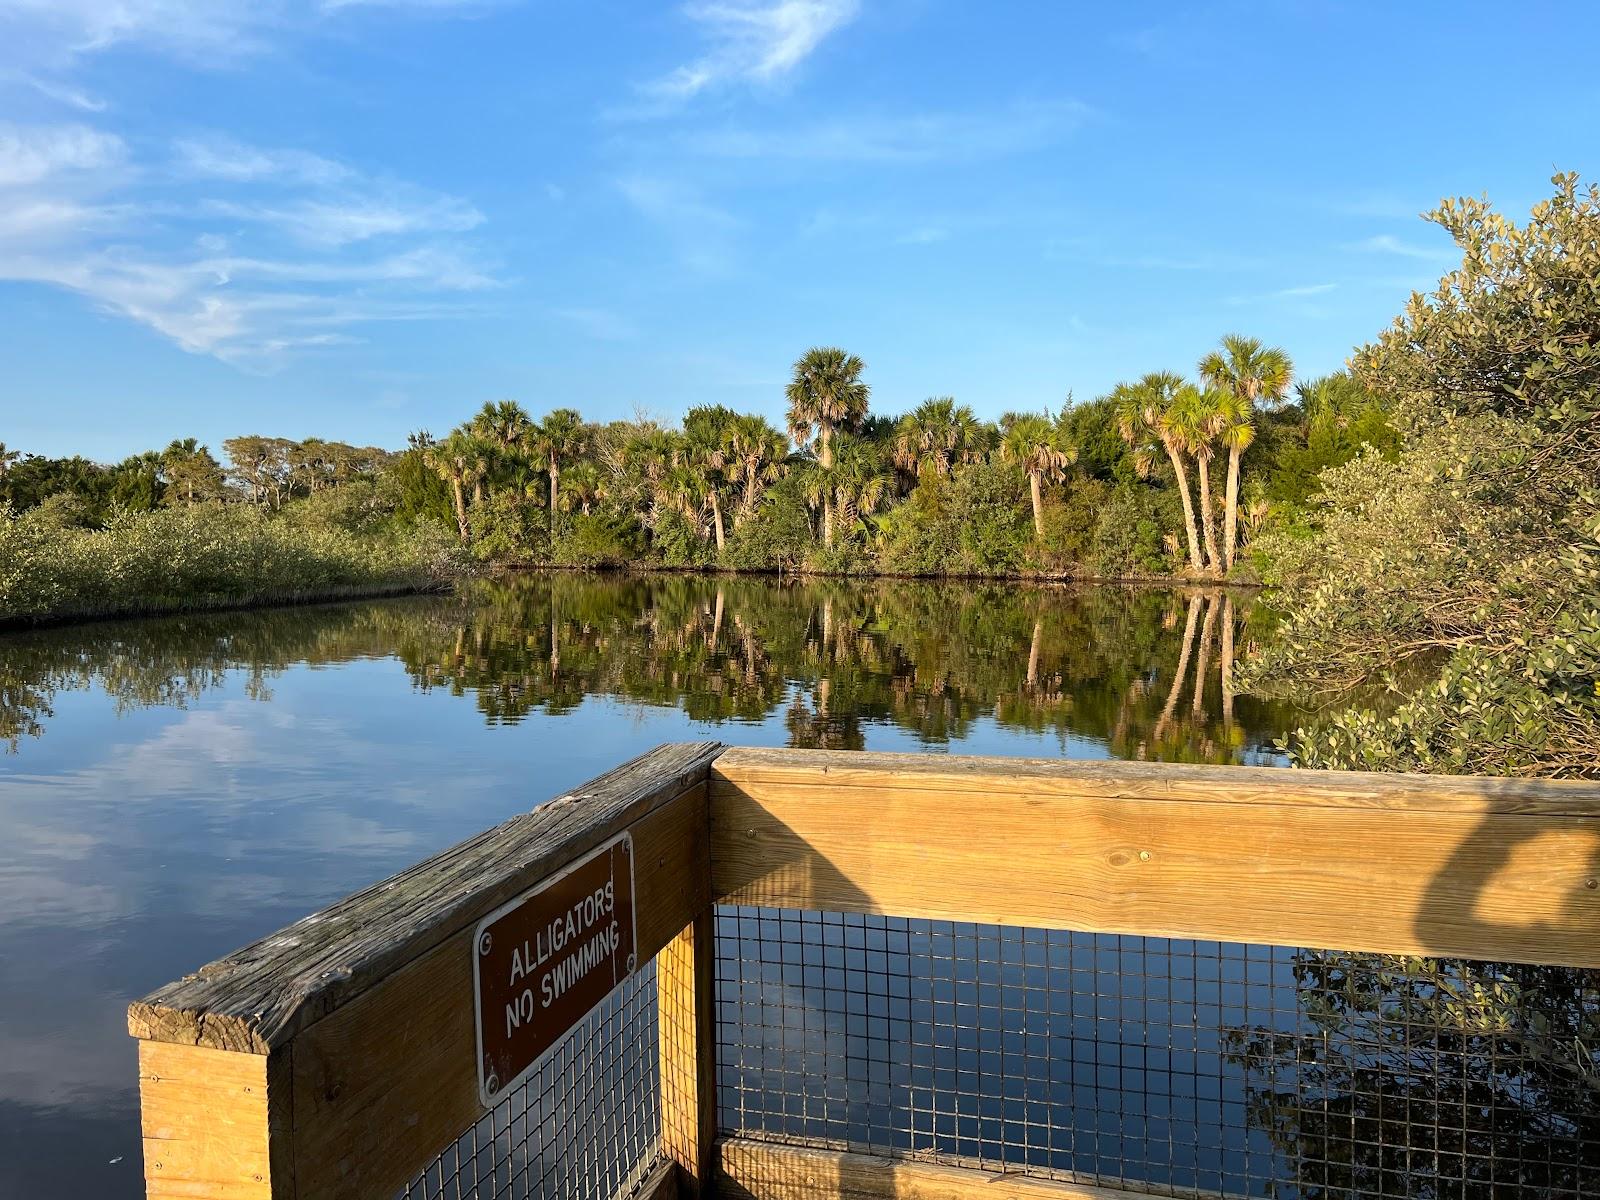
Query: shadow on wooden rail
x=336 y=1057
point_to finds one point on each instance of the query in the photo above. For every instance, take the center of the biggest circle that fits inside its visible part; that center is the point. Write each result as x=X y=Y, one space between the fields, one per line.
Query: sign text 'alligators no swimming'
x=540 y=963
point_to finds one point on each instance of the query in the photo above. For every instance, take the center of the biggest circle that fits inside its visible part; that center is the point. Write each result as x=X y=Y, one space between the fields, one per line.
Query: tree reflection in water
x=1104 y=667
x=1437 y=1079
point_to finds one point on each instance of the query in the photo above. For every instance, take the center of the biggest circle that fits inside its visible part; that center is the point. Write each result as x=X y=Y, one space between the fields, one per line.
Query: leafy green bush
x=507 y=529
x=600 y=539
x=776 y=538
x=1131 y=535
x=1479 y=545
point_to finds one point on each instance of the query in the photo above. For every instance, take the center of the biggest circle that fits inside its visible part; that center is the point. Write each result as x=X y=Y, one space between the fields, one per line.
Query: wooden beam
x=687 y=1021
x=759 y=1170
x=1490 y=869
x=256 y=999
x=216 y=1124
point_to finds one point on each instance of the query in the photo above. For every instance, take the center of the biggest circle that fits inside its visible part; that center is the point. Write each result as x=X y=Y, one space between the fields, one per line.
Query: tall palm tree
x=1144 y=411
x=651 y=456
x=506 y=423
x=1039 y=446
x=553 y=444
x=826 y=395
x=1254 y=374
x=705 y=433
x=453 y=459
x=1194 y=422
x=757 y=455
x=938 y=434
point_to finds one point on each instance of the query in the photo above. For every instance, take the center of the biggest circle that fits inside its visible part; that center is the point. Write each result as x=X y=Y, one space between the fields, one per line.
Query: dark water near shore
x=177 y=787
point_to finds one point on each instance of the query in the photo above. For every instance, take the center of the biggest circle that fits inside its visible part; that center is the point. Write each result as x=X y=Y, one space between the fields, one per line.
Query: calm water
x=175 y=788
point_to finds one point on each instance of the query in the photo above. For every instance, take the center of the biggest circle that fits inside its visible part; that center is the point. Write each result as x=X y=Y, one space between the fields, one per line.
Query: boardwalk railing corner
x=770 y=1038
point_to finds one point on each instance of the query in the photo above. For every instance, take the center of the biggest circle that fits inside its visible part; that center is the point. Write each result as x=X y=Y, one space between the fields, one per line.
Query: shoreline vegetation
x=1432 y=512
x=1116 y=488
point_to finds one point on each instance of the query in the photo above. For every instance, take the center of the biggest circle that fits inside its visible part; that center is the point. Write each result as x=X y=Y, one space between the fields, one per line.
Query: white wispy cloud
x=50 y=35
x=1303 y=291
x=900 y=139
x=229 y=159
x=245 y=253
x=752 y=42
x=1385 y=243
x=31 y=154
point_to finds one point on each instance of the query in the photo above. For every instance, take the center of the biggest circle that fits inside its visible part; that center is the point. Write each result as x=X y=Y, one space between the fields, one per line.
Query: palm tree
x=1144 y=410
x=454 y=460
x=705 y=431
x=191 y=473
x=937 y=435
x=651 y=456
x=1253 y=374
x=756 y=457
x=1038 y=445
x=826 y=395
x=506 y=424
x=582 y=485
x=552 y=444
x=1194 y=422
x=857 y=482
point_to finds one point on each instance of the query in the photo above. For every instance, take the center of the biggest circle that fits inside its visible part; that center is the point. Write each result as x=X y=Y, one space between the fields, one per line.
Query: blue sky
x=355 y=218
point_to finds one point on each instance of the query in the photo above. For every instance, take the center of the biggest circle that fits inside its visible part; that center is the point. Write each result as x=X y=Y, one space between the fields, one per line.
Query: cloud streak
x=752 y=43
x=245 y=253
x=900 y=139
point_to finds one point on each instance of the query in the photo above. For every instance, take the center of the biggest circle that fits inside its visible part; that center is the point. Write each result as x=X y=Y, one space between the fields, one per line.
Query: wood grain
x=757 y=1170
x=685 y=981
x=215 y=1124
x=1486 y=869
x=1084 y=778
x=258 y=997
x=390 y=1079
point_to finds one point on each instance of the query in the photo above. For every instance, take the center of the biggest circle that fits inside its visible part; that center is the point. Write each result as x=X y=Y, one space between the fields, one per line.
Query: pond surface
x=175 y=788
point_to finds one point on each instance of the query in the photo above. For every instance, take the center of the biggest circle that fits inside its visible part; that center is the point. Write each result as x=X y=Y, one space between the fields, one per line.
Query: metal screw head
x=632 y=959
x=492 y=1084
x=485 y=942
x=1144 y=856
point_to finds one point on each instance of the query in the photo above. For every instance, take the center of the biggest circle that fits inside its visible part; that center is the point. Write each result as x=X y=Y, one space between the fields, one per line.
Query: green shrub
x=600 y=539
x=204 y=556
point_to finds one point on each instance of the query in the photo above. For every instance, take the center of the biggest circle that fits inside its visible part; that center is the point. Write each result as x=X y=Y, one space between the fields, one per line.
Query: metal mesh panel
x=1174 y=1067
x=585 y=1124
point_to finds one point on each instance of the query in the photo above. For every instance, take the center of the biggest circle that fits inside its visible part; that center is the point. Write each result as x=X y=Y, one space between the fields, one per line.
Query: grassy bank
x=206 y=557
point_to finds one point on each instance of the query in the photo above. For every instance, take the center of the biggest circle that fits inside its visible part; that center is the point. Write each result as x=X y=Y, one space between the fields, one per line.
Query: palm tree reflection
x=826 y=660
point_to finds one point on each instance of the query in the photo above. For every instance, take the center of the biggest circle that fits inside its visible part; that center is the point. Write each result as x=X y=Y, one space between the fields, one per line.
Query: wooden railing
x=336 y=1057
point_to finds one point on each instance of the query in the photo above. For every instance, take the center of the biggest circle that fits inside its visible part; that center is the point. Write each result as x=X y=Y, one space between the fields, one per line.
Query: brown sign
x=540 y=963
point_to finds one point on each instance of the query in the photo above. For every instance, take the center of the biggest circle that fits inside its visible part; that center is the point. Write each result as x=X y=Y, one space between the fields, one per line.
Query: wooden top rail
x=1403 y=864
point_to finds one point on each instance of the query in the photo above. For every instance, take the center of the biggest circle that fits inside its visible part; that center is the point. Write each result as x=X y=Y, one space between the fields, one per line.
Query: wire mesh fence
x=585 y=1124
x=1174 y=1067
